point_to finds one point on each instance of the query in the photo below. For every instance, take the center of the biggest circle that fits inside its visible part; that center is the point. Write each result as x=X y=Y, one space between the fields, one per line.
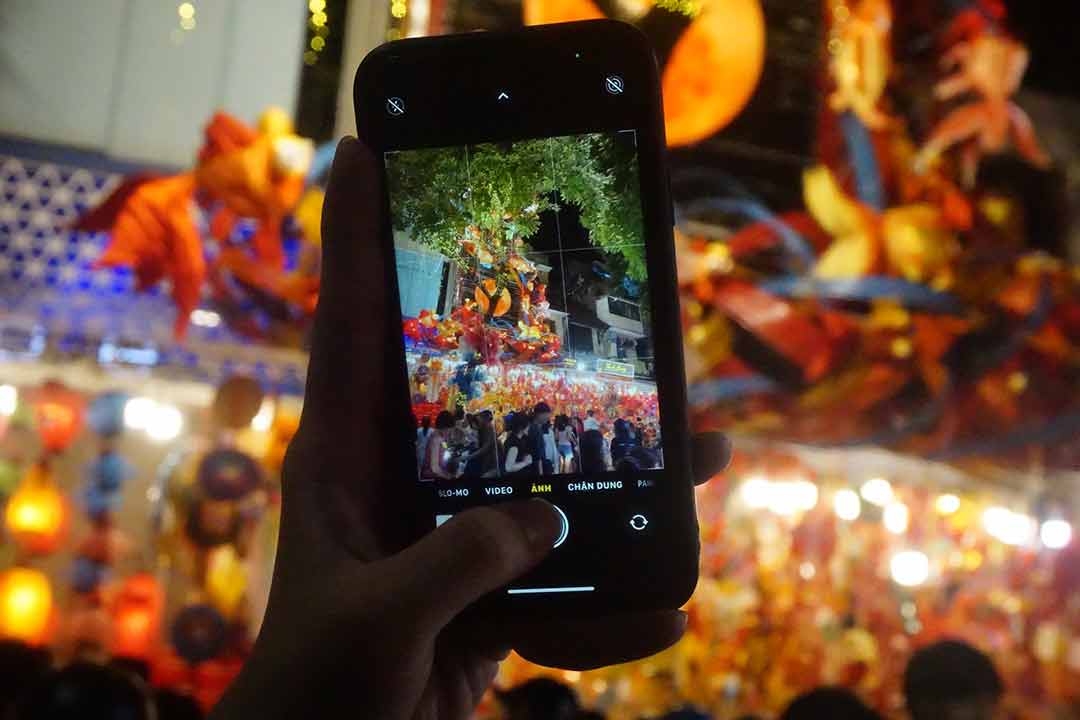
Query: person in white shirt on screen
x=591 y=422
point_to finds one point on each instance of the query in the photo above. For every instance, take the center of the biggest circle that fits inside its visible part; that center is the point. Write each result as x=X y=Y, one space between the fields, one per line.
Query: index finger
x=347 y=369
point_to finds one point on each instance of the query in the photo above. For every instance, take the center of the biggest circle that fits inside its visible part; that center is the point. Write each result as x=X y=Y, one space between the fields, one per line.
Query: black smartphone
x=530 y=222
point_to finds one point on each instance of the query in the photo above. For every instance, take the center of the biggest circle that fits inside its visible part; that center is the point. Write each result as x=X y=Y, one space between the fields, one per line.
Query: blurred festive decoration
x=228 y=475
x=105 y=416
x=899 y=309
x=210 y=504
x=92 y=625
x=58 y=414
x=989 y=65
x=25 y=605
x=136 y=613
x=36 y=514
x=255 y=174
x=861 y=59
x=799 y=589
x=9 y=477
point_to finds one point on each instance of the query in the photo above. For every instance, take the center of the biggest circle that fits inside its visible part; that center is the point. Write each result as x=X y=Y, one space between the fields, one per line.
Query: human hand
x=354 y=624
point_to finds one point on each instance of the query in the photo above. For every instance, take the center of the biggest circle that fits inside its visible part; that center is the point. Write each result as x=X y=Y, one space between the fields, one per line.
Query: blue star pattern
x=51 y=295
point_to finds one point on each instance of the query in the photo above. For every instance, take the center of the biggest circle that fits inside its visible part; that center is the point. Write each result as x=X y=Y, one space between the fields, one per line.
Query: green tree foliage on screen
x=493 y=195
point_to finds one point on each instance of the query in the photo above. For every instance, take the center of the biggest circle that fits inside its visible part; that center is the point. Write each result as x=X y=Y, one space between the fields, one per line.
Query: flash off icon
x=614 y=84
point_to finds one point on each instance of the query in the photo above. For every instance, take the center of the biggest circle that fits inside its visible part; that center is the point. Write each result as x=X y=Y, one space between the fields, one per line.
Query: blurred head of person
x=86 y=691
x=484 y=417
x=951 y=680
x=519 y=424
x=172 y=705
x=539 y=699
x=828 y=702
x=444 y=420
x=561 y=422
x=425 y=422
x=22 y=667
x=541 y=413
x=622 y=429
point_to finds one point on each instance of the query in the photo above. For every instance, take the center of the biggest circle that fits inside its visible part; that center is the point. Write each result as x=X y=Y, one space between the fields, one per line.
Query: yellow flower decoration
x=913 y=240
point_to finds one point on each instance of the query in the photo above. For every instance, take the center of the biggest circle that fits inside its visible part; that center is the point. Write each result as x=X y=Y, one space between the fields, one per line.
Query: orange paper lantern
x=58 y=413
x=36 y=514
x=713 y=70
x=137 y=616
x=25 y=605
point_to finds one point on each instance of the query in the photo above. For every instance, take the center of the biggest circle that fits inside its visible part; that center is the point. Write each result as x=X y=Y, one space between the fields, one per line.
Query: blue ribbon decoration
x=863 y=160
x=321 y=162
x=865 y=289
x=794 y=243
x=724 y=389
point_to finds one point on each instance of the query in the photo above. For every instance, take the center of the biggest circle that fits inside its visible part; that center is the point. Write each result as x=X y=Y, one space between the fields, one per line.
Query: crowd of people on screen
x=533 y=442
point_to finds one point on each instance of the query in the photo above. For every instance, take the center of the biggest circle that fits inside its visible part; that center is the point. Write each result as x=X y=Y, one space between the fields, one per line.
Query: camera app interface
x=525 y=304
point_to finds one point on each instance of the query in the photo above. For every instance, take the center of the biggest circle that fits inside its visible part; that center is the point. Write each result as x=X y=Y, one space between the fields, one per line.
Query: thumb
x=474 y=553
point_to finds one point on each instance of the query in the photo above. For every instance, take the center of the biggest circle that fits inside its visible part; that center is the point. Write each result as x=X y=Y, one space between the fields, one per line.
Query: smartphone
x=530 y=222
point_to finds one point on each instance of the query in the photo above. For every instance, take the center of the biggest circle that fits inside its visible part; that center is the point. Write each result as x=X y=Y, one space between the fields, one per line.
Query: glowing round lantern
x=237 y=401
x=713 y=70
x=58 y=413
x=25 y=605
x=36 y=514
x=137 y=616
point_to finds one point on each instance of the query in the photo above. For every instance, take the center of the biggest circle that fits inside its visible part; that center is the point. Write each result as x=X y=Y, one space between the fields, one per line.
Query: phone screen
x=523 y=285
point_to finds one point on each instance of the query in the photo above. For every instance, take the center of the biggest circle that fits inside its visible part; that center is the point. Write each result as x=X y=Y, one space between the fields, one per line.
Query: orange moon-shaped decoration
x=713 y=70
x=542 y=12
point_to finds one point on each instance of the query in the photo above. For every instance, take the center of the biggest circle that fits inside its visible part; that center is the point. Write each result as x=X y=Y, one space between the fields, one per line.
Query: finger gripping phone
x=530 y=223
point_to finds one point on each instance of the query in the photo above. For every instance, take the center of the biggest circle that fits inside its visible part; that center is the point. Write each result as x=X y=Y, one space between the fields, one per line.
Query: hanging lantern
x=25 y=605
x=226 y=580
x=137 y=616
x=106 y=414
x=198 y=633
x=228 y=475
x=237 y=401
x=58 y=413
x=36 y=515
